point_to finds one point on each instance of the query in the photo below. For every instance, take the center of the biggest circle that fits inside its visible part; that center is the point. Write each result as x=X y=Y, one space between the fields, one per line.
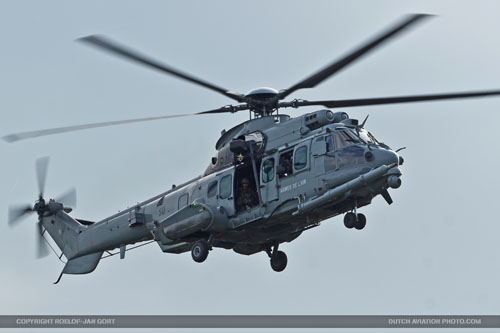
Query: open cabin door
x=268 y=179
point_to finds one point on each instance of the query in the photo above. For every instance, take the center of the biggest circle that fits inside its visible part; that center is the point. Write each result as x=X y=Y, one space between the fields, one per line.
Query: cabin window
x=285 y=164
x=160 y=202
x=212 y=189
x=268 y=170
x=300 y=160
x=225 y=187
x=183 y=200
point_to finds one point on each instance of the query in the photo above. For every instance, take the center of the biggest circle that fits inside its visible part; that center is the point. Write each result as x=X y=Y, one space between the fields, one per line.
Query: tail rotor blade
x=42 y=165
x=68 y=198
x=42 y=249
x=17 y=213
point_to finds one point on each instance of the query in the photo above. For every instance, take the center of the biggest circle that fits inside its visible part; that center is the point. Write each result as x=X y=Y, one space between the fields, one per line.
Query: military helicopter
x=272 y=178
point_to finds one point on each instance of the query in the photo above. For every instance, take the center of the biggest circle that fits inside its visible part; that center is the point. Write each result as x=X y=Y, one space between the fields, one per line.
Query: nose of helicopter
x=384 y=157
x=381 y=157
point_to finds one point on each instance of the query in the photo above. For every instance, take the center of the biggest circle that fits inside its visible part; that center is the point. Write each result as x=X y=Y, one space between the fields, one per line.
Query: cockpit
x=347 y=136
x=344 y=147
x=367 y=137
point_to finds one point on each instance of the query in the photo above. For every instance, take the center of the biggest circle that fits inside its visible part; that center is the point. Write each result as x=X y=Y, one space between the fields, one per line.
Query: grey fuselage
x=323 y=178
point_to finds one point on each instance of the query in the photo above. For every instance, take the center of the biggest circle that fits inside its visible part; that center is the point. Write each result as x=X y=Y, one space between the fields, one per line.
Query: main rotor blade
x=392 y=100
x=42 y=165
x=16 y=213
x=121 y=50
x=68 y=198
x=42 y=249
x=336 y=66
x=33 y=134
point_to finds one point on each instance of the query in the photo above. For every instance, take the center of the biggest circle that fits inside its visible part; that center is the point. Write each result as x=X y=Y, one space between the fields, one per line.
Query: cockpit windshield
x=367 y=137
x=348 y=136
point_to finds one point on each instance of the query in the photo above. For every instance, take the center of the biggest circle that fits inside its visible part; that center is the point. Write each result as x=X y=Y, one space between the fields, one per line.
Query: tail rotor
x=18 y=213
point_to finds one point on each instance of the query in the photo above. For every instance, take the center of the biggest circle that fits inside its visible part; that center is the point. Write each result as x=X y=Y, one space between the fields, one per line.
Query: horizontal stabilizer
x=82 y=265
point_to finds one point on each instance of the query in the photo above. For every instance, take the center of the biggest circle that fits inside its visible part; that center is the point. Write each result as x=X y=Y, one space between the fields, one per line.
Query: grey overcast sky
x=434 y=251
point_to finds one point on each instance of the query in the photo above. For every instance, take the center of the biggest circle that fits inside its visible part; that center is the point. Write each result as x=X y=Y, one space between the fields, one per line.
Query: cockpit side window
x=342 y=139
x=212 y=189
x=346 y=137
x=329 y=144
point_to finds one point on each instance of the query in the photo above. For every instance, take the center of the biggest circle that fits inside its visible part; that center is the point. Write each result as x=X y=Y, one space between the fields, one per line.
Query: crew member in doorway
x=247 y=198
x=285 y=165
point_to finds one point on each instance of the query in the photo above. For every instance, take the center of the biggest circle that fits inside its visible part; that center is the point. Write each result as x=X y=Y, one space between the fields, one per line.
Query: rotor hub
x=262 y=93
x=262 y=101
x=39 y=206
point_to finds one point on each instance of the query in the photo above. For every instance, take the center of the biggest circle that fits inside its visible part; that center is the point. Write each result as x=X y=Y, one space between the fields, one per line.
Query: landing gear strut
x=354 y=220
x=278 y=259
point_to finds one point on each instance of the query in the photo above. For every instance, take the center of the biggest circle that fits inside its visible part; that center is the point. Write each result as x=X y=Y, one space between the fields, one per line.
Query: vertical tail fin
x=65 y=231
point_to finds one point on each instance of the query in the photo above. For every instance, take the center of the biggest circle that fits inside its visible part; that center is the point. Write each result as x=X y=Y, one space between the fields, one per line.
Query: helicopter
x=272 y=177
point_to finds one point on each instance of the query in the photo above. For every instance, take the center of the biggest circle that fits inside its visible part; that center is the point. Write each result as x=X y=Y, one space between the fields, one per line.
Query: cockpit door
x=226 y=192
x=268 y=178
x=319 y=148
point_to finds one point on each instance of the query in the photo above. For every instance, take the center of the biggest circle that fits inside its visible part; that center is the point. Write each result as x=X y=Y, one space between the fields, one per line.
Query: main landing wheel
x=360 y=222
x=278 y=261
x=349 y=220
x=199 y=251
